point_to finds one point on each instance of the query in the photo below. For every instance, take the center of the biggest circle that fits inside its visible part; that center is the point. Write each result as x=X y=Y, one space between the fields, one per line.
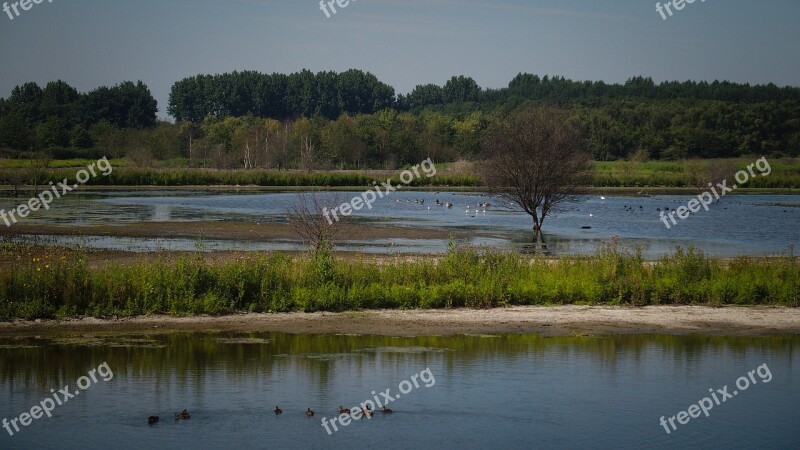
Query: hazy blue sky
x=403 y=42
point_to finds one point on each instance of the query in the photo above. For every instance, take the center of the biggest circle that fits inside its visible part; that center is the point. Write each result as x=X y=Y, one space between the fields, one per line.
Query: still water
x=520 y=391
x=738 y=225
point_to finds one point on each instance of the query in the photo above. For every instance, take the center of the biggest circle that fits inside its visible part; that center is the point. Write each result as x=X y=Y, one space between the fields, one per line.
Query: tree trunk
x=541 y=247
x=537 y=229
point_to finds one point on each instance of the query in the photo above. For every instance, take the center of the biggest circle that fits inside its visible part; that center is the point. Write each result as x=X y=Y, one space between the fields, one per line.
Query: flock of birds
x=367 y=411
x=449 y=205
x=481 y=207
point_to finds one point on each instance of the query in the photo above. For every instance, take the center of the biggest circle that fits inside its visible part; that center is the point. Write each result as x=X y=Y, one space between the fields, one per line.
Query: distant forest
x=353 y=120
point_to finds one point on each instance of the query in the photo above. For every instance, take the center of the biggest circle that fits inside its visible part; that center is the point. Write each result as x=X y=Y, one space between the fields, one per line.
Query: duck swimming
x=310 y=413
x=278 y=411
x=183 y=415
x=152 y=419
x=343 y=410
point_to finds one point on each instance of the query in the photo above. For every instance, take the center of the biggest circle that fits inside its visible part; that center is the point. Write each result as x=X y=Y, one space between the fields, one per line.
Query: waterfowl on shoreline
x=152 y=419
x=278 y=411
x=309 y=413
x=183 y=415
x=343 y=410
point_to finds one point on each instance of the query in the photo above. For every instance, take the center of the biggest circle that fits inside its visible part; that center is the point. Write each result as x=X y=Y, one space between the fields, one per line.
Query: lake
x=738 y=225
x=483 y=391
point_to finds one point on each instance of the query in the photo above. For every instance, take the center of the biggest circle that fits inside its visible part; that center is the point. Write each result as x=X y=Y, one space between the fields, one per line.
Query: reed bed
x=48 y=286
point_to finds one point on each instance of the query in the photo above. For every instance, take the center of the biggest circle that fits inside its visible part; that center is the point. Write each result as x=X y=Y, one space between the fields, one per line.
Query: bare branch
x=307 y=217
x=535 y=159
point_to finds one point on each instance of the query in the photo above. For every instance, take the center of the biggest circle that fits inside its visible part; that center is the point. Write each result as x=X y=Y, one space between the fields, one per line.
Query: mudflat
x=545 y=320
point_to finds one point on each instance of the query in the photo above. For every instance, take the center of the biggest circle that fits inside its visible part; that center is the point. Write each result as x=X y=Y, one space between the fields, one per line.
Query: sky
x=91 y=43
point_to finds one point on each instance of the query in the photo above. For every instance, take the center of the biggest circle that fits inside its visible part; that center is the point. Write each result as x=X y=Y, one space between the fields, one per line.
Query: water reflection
x=489 y=391
x=36 y=363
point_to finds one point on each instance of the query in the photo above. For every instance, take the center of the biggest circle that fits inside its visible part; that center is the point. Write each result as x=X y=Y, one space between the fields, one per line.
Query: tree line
x=36 y=119
x=352 y=120
x=329 y=94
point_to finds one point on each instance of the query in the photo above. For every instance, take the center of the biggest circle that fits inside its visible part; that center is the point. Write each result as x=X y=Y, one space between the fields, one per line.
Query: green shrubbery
x=669 y=174
x=210 y=177
x=462 y=278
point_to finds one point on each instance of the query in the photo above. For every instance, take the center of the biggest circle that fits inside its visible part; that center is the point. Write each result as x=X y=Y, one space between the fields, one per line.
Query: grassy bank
x=47 y=287
x=210 y=177
x=617 y=174
x=785 y=173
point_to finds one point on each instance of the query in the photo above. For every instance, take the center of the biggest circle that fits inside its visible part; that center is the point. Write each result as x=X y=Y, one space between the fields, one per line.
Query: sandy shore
x=547 y=321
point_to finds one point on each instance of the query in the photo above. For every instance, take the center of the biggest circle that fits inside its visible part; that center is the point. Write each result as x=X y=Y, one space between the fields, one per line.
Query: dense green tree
x=14 y=133
x=25 y=103
x=126 y=105
x=461 y=89
x=425 y=95
x=52 y=133
x=80 y=137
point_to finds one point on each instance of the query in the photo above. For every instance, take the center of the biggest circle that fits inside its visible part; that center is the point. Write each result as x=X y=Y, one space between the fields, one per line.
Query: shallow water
x=487 y=391
x=738 y=225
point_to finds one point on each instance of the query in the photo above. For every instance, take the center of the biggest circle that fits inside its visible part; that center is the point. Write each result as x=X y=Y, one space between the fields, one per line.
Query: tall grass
x=210 y=177
x=671 y=174
x=692 y=173
x=465 y=277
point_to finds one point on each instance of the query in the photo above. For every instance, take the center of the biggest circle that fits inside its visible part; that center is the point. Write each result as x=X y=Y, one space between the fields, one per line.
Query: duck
x=343 y=410
x=309 y=412
x=278 y=411
x=368 y=411
x=386 y=410
x=152 y=419
x=183 y=415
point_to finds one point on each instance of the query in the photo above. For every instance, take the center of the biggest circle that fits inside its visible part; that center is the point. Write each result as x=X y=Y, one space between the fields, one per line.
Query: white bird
x=602 y=198
x=591 y=215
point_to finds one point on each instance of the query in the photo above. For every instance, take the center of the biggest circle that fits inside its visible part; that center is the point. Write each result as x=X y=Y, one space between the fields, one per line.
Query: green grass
x=210 y=177
x=56 y=163
x=692 y=173
x=661 y=174
x=50 y=288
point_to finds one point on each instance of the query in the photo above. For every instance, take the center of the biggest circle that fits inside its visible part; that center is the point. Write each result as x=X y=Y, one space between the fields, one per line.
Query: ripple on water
x=405 y=350
x=113 y=342
x=318 y=356
x=242 y=340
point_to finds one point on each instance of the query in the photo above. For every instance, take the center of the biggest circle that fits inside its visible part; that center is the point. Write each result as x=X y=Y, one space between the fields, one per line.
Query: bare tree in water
x=535 y=161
